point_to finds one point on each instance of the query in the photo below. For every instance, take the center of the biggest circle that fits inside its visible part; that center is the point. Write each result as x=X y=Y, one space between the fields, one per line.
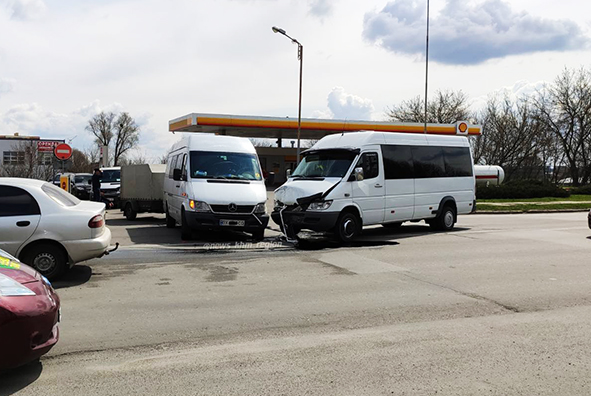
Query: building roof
x=286 y=128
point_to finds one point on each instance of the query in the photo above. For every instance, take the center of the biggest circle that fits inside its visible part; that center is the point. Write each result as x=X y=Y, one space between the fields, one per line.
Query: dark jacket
x=96 y=182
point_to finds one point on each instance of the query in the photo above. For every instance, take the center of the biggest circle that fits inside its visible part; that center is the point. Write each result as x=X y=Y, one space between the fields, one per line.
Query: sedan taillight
x=96 y=222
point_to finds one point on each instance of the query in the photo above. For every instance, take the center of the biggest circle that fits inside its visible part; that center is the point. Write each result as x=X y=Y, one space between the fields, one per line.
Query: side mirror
x=358 y=172
x=288 y=173
x=176 y=174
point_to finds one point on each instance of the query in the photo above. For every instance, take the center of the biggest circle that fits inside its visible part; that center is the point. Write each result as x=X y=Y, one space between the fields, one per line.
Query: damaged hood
x=294 y=189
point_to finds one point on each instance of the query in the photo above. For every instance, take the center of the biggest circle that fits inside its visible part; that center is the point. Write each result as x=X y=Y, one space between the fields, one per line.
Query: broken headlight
x=320 y=205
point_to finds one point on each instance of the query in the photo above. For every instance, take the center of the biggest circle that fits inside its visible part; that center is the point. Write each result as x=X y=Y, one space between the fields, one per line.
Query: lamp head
x=277 y=30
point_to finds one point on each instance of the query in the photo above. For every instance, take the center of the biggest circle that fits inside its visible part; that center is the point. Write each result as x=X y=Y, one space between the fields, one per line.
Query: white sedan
x=49 y=229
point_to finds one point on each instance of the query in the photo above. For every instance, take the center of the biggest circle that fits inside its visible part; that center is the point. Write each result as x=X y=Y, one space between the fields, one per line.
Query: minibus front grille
x=239 y=209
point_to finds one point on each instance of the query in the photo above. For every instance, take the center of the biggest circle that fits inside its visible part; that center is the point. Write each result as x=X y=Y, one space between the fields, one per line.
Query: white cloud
x=342 y=105
x=24 y=9
x=321 y=8
x=6 y=85
x=469 y=33
x=520 y=90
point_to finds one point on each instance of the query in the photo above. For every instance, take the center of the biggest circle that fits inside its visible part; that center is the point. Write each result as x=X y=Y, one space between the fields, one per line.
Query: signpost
x=63 y=152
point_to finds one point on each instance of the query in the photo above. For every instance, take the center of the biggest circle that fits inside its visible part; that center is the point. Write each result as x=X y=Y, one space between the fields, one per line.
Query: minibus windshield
x=324 y=163
x=219 y=165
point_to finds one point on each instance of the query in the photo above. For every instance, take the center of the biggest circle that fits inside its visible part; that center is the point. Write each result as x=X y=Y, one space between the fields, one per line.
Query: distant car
x=29 y=313
x=83 y=188
x=111 y=184
x=48 y=228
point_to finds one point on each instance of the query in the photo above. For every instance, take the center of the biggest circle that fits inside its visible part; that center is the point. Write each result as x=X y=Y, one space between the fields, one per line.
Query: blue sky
x=65 y=61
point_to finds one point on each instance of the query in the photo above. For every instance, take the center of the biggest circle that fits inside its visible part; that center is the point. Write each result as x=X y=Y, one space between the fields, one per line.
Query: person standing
x=96 y=185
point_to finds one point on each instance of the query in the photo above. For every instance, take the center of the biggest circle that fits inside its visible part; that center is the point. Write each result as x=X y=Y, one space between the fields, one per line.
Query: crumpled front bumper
x=309 y=220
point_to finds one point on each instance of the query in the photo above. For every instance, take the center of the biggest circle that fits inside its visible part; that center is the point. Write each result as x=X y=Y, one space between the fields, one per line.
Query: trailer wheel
x=129 y=213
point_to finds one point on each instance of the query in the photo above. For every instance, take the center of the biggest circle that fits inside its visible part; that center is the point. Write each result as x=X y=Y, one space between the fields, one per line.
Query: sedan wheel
x=48 y=259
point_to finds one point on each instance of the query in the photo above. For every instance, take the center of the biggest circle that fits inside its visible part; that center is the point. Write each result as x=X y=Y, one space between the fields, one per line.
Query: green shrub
x=521 y=189
x=582 y=190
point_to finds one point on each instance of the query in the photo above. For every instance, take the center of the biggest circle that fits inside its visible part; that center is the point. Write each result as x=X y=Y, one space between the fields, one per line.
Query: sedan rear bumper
x=86 y=249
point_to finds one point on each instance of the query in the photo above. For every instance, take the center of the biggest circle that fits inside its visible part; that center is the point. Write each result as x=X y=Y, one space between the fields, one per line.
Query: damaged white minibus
x=350 y=180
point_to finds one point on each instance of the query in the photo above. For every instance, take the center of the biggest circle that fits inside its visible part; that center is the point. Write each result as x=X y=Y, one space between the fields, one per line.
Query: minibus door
x=368 y=193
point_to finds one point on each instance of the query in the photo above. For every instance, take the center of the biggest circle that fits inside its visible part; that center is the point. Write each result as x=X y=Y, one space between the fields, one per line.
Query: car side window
x=15 y=201
x=369 y=162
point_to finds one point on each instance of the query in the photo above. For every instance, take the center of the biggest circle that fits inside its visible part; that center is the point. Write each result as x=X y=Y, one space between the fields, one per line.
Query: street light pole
x=301 y=59
x=426 y=67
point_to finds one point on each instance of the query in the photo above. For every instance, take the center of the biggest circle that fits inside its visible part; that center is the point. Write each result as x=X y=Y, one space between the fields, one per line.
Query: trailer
x=489 y=175
x=142 y=189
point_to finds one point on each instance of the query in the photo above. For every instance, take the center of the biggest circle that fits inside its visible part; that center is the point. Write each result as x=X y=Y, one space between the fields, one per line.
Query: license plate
x=234 y=223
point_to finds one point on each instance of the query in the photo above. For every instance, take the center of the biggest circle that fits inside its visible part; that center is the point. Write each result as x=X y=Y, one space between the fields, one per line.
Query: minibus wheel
x=170 y=222
x=259 y=235
x=185 y=229
x=348 y=227
x=446 y=219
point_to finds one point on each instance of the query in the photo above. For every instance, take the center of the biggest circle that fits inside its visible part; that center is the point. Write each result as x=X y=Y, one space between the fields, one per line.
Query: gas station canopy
x=287 y=128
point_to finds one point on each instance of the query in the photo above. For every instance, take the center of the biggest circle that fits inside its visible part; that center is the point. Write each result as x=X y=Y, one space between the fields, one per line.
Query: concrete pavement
x=500 y=306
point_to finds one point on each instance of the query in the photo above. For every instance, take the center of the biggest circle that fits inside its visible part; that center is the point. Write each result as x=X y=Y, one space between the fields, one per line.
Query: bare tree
x=261 y=142
x=564 y=108
x=79 y=162
x=126 y=136
x=511 y=138
x=447 y=107
x=101 y=126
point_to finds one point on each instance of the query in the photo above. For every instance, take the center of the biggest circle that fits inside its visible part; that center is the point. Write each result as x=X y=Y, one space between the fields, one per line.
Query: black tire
x=348 y=227
x=48 y=259
x=259 y=235
x=129 y=213
x=170 y=222
x=446 y=219
x=185 y=229
x=392 y=225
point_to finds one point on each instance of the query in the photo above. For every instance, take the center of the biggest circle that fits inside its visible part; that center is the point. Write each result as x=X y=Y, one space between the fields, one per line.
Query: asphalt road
x=501 y=306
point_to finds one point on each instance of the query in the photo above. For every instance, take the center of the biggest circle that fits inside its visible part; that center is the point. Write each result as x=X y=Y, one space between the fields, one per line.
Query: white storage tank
x=490 y=175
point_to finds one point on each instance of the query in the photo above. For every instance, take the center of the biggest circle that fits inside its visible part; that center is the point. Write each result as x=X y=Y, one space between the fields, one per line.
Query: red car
x=29 y=313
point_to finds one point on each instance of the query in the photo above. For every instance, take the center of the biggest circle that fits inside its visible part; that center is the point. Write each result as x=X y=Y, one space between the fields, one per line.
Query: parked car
x=111 y=184
x=29 y=313
x=83 y=188
x=48 y=228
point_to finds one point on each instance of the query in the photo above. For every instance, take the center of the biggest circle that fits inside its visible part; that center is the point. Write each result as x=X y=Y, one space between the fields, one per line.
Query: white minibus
x=350 y=180
x=215 y=182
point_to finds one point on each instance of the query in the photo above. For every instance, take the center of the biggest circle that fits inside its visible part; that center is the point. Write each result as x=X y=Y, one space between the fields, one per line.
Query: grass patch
x=480 y=207
x=572 y=198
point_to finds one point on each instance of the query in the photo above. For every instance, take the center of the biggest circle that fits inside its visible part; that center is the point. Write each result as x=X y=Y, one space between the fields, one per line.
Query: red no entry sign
x=63 y=151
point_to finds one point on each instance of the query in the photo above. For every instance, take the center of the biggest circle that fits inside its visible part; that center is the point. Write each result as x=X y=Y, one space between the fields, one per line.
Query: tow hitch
x=107 y=252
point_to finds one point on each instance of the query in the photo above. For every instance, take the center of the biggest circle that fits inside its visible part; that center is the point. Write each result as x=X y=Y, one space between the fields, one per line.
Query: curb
x=529 y=211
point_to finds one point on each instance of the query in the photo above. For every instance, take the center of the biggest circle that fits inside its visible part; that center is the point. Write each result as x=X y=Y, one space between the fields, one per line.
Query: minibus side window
x=172 y=165
x=428 y=161
x=397 y=162
x=184 y=168
x=457 y=161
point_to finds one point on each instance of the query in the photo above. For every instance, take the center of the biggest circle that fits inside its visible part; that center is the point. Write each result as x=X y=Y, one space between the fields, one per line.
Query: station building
x=27 y=153
x=277 y=160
